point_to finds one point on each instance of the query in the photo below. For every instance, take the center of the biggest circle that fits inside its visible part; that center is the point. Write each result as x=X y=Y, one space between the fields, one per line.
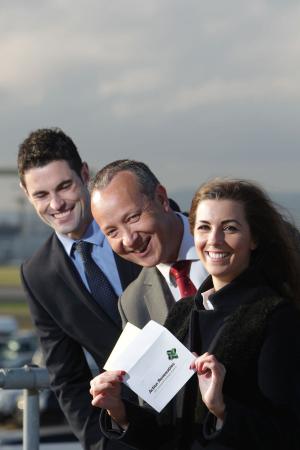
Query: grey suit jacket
x=148 y=297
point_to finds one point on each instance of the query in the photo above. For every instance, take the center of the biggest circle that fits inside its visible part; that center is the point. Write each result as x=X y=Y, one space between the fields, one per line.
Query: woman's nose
x=216 y=236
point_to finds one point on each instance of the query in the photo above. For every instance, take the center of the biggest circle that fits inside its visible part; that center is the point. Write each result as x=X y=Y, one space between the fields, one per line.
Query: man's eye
x=111 y=233
x=65 y=186
x=40 y=195
x=134 y=217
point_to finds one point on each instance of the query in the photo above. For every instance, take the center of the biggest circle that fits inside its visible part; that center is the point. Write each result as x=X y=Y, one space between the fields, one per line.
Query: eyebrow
x=224 y=222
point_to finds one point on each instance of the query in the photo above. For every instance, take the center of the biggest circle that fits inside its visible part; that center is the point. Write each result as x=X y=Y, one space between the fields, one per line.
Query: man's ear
x=162 y=196
x=85 y=173
x=24 y=189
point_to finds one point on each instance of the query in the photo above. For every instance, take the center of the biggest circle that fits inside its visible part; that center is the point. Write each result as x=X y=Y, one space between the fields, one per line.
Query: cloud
x=133 y=47
x=225 y=91
x=155 y=77
x=131 y=83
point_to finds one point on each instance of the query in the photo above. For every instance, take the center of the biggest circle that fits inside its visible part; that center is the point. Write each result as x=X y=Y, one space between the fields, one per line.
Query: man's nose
x=129 y=238
x=56 y=202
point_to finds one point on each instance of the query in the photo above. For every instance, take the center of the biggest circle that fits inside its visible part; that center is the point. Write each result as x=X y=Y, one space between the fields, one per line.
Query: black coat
x=256 y=335
x=67 y=318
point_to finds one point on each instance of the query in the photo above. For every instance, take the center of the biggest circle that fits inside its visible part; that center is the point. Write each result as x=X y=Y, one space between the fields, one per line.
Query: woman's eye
x=203 y=228
x=230 y=228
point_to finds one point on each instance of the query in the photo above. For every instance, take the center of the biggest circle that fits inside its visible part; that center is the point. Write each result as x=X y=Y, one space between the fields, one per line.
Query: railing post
x=32 y=378
x=31 y=419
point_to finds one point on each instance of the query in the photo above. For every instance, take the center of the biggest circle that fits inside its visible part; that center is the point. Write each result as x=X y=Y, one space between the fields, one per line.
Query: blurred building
x=21 y=231
x=20 y=237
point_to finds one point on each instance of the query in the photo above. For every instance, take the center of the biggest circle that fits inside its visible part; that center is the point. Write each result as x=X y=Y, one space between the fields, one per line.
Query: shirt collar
x=206 y=302
x=93 y=235
x=187 y=249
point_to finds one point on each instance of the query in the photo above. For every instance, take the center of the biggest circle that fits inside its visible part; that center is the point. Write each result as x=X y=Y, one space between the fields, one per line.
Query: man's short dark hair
x=145 y=176
x=46 y=145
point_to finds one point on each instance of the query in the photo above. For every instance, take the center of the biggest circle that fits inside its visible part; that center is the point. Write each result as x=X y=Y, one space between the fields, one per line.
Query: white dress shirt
x=187 y=251
x=101 y=253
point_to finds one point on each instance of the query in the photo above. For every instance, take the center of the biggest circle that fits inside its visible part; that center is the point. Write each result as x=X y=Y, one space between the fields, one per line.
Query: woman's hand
x=211 y=374
x=106 y=392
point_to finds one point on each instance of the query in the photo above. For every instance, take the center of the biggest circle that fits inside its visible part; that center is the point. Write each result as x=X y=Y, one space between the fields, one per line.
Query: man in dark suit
x=133 y=211
x=66 y=311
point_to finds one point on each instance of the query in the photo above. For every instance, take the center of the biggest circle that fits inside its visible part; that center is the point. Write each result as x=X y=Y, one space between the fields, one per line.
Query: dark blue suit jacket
x=67 y=318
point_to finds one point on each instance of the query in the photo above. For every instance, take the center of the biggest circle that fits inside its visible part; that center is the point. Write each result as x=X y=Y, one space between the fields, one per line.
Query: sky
x=193 y=88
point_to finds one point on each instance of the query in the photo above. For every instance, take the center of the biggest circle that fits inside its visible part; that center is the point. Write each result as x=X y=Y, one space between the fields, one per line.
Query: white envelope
x=156 y=362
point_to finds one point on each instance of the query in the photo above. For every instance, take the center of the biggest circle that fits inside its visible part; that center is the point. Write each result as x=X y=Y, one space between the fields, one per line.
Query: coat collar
x=241 y=290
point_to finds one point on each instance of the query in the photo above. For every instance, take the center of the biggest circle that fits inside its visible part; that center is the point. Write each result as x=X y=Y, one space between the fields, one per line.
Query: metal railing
x=31 y=379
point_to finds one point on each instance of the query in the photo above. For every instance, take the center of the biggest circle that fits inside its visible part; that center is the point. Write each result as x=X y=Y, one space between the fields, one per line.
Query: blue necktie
x=100 y=287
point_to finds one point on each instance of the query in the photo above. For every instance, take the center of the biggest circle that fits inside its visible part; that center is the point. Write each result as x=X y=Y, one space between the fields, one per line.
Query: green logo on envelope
x=172 y=354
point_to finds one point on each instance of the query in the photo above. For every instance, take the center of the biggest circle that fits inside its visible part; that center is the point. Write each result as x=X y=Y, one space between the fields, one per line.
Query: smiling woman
x=244 y=321
x=274 y=242
x=223 y=239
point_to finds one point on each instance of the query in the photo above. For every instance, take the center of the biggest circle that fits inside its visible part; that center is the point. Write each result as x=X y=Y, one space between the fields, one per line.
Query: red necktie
x=180 y=271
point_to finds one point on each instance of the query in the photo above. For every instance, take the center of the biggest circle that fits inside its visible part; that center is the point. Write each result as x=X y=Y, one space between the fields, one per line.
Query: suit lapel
x=128 y=271
x=162 y=301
